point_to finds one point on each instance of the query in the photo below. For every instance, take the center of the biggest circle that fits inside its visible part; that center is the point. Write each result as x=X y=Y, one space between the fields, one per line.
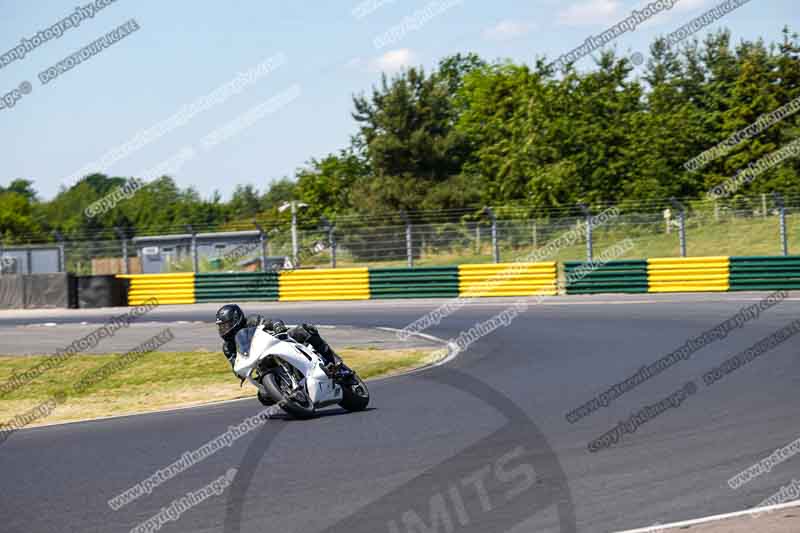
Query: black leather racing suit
x=304 y=334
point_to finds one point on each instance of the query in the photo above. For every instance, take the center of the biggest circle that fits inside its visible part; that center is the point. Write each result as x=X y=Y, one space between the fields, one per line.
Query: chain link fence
x=738 y=227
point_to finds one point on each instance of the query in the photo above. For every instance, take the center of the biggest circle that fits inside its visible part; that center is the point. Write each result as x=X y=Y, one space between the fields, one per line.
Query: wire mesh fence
x=739 y=227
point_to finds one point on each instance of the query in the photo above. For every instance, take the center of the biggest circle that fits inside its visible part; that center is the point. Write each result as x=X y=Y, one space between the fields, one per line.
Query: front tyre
x=265 y=399
x=355 y=395
x=279 y=387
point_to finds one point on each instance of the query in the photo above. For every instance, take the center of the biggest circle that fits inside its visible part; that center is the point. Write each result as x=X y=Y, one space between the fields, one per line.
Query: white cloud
x=690 y=5
x=393 y=60
x=672 y=15
x=507 y=30
x=608 y=12
x=591 y=12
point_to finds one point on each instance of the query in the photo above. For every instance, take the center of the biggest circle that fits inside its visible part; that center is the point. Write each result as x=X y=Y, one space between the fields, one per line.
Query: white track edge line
x=714 y=518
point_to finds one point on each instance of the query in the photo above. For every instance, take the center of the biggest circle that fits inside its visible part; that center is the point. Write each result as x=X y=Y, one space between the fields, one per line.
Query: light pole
x=293 y=205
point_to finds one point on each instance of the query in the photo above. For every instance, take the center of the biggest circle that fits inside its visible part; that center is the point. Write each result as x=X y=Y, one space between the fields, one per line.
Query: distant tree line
x=473 y=132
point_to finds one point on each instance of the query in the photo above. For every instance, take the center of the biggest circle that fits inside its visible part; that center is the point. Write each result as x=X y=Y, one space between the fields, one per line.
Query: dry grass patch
x=162 y=380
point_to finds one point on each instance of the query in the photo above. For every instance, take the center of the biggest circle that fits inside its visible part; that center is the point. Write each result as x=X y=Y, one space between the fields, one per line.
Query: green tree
x=17 y=218
x=326 y=184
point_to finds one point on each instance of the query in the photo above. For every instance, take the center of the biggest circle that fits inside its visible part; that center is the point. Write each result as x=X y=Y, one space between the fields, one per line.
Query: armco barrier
x=688 y=274
x=324 y=284
x=167 y=288
x=625 y=276
x=236 y=286
x=763 y=273
x=508 y=279
x=427 y=282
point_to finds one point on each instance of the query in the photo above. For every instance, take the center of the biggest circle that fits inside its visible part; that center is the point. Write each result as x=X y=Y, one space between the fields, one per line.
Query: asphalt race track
x=480 y=444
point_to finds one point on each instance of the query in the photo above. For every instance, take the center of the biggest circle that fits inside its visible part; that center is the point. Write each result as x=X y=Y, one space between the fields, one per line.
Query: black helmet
x=230 y=318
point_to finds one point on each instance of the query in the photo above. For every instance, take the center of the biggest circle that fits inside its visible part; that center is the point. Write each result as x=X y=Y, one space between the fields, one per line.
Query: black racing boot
x=341 y=372
x=336 y=369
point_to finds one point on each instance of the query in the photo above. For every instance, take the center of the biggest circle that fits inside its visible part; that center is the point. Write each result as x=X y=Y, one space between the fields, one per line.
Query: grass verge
x=162 y=380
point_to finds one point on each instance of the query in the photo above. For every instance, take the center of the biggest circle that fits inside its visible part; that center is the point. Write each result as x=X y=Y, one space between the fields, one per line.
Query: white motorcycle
x=291 y=374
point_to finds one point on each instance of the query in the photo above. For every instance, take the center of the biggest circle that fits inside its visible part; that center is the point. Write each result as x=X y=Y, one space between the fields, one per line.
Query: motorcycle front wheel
x=355 y=395
x=279 y=387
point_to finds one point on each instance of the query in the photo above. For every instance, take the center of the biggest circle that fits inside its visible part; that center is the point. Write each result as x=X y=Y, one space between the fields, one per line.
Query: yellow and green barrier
x=508 y=279
x=623 y=276
x=664 y=275
x=236 y=286
x=426 y=282
x=765 y=273
x=688 y=274
x=167 y=288
x=324 y=284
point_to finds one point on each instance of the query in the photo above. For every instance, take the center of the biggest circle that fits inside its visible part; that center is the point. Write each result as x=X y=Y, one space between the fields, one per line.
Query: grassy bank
x=160 y=381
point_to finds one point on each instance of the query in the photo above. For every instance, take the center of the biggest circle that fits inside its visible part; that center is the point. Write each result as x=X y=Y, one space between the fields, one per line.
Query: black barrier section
x=50 y=290
x=100 y=291
x=12 y=291
x=35 y=291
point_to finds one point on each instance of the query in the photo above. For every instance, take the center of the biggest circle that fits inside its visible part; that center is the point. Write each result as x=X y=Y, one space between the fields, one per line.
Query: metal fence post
x=332 y=242
x=62 y=267
x=589 y=242
x=328 y=226
x=495 y=243
x=409 y=242
x=782 y=214
x=194 y=248
x=682 y=223
x=262 y=238
x=123 y=237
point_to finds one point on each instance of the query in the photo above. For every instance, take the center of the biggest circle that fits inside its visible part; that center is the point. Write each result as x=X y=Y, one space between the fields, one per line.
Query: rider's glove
x=279 y=327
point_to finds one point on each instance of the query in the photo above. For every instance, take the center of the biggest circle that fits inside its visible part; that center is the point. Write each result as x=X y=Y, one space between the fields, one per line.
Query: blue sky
x=185 y=50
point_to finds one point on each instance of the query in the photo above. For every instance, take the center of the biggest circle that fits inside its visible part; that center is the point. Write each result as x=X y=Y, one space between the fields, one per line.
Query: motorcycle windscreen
x=243 y=341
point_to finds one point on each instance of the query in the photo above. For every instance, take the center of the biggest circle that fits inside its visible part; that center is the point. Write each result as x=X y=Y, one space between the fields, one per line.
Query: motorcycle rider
x=230 y=320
